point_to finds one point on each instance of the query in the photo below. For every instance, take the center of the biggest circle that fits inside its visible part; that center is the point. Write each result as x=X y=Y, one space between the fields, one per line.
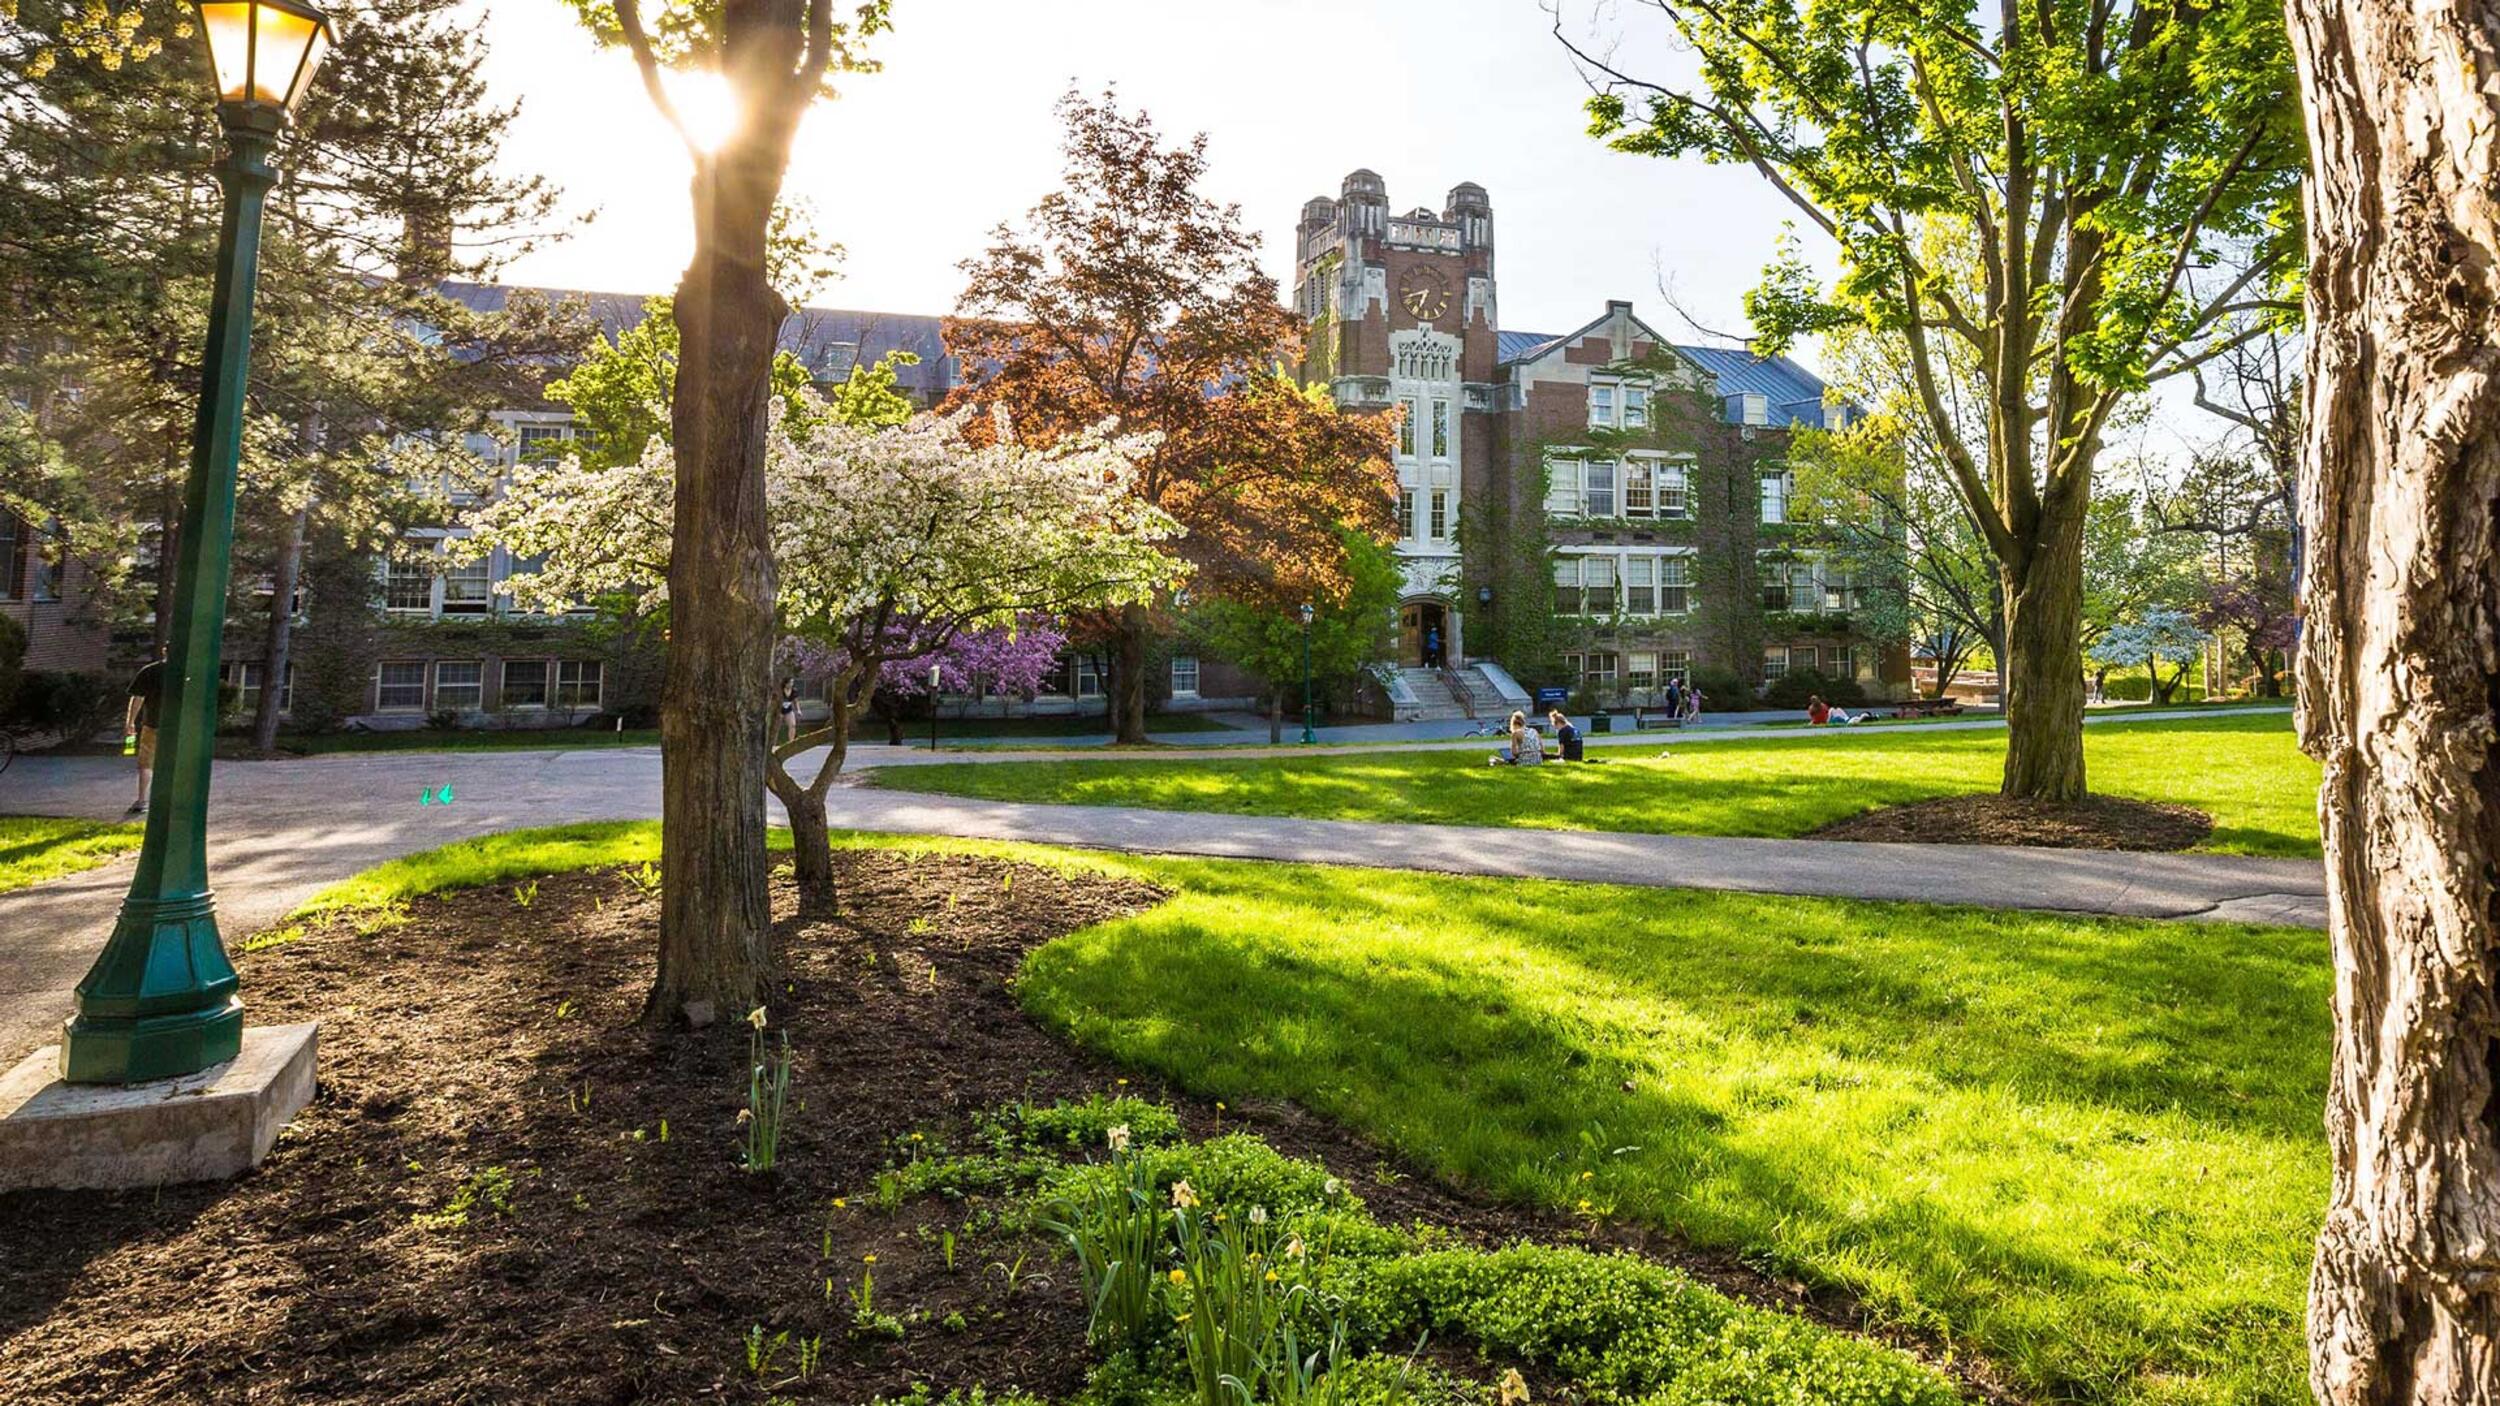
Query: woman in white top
x=1526 y=747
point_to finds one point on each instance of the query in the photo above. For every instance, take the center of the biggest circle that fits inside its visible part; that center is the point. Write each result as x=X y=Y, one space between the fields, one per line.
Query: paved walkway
x=283 y=830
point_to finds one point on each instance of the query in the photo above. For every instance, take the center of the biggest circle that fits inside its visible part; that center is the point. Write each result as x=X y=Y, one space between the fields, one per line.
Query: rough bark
x=1128 y=676
x=1276 y=717
x=2399 y=682
x=2042 y=666
x=280 y=644
x=716 y=696
x=810 y=832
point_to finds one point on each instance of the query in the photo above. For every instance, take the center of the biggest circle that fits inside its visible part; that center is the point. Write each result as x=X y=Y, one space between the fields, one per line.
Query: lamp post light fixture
x=937 y=678
x=161 y=1000
x=1308 y=712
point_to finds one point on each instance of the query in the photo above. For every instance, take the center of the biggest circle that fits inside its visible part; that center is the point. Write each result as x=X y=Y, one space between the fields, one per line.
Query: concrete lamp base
x=207 y=1126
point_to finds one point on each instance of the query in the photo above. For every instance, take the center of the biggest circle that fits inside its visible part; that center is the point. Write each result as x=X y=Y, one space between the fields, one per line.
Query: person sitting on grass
x=1566 y=736
x=1526 y=747
x=1818 y=712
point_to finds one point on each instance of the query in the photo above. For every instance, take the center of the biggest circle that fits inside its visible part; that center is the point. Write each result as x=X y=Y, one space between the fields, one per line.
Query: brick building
x=48 y=593
x=1640 y=482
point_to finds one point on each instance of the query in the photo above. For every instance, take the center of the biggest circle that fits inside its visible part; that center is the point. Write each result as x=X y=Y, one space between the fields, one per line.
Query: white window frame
x=1440 y=523
x=1603 y=398
x=1406 y=513
x=382 y=685
x=1590 y=504
x=1778 y=489
x=566 y=695
x=503 y=685
x=1562 y=487
x=476 y=687
x=1184 y=666
x=1440 y=429
x=1675 y=574
x=1675 y=664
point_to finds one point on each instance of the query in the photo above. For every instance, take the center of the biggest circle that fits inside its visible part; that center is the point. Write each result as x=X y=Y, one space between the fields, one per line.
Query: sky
x=912 y=167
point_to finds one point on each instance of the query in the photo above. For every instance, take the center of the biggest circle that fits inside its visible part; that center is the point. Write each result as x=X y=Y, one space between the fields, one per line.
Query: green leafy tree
x=624 y=392
x=1893 y=520
x=1348 y=631
x=2090 y=156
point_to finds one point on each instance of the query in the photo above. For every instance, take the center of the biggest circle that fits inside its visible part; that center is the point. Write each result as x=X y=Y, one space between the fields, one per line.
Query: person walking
x=139 y=719
x=790 y=708
x=1432 y=647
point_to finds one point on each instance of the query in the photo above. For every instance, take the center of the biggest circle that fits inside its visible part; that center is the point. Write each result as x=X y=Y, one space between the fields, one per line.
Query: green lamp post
x=1309 y=714
x=160 y=1002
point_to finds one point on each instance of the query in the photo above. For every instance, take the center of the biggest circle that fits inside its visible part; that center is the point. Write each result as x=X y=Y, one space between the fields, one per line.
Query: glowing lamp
x=264 y=52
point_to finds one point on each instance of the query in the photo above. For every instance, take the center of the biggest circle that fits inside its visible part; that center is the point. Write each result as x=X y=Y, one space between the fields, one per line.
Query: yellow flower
x=1119 y=1137
x=1180 y=1276
x=1584 y=1206
x=1293 y=1248
x=1182 y=1196
x=839 y=1203
x=1514 y=1389
x=1271 y=1276
x=869 y=1258
x=756 y=1017
x=1588 y=1176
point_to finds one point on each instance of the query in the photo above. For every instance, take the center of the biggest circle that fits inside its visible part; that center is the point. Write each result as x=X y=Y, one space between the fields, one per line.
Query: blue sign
x=1551 y=697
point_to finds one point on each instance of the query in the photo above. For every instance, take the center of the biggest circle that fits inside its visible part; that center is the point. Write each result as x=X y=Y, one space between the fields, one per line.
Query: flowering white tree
x=2149 y=637
x=892 y=543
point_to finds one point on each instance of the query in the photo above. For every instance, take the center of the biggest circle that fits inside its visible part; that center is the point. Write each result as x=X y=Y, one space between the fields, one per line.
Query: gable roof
x=1794 y=394
x=827 y=341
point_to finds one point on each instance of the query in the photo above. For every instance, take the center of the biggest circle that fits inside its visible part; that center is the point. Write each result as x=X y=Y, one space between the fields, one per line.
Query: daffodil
x=1118 y=1137
x=1182 y=1196
x=756 y=1017
x=1514 y=1389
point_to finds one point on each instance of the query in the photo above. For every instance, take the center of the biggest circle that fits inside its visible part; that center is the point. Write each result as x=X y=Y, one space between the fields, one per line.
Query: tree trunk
x=716 y=697
x=1276 y=718
x=2041 y=666
x=2399 y=681
x=1128 y=677
x=281 y=639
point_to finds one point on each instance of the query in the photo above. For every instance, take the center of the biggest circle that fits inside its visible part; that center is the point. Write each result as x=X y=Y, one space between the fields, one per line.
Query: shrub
x=12 y=661
x=1792 y=690
x=74 y=707
x=1722 y=691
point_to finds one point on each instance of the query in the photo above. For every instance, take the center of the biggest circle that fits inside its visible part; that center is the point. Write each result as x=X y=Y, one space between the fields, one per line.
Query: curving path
x=283 y=830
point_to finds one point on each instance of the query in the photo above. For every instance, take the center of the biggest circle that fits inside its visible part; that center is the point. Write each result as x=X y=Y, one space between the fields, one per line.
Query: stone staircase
x=1431 y=697
x=1477 y=694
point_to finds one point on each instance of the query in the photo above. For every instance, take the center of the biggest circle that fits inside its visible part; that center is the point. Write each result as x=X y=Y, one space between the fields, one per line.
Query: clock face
x=1426 y=293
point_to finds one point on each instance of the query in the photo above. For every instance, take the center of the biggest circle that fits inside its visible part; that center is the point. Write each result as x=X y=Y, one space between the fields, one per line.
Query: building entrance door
x=1423 y=635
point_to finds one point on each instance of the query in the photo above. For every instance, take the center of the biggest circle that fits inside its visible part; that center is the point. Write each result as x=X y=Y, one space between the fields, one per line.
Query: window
x=1774 y=663
x=539 y=444
x=399 y=686
x=1675 y=664
x=1184 y=675
x=1635 y=407
x=1599 y=490
x=1776 y=488
x=247 y=680
x=1406 y=512
x=1637 y=499
x=1406 y=430
x=12 y=555
x=51 y=563
x=1440 y=429
x=1640 y=585
x=1562 y=488
x=525 y=683
x=1601 y=403
x=1790 y=586
x=1597 y=575
x=1675 y=585
x=1803 y=657
x=578 y=682
x=1640 y=671
x=409 y=585
x=1836 y=592
x=1675 y=490
x=1440 y=514
x=459 y=685
x=1566 y=585
x=1088 y=677
x=468 y=589
x=1598 y=671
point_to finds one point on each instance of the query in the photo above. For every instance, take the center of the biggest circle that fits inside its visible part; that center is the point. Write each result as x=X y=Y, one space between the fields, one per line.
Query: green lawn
x=2087 y=1150
x=34 y=848
x=2244 y=770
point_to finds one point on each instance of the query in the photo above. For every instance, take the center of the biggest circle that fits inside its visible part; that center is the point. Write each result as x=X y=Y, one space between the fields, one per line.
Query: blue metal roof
x=1795 y=395
x=828 y=341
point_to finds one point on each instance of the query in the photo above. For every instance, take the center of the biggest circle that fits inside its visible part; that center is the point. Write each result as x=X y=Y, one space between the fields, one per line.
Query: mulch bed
x=481 y=1034
x=2095 y=822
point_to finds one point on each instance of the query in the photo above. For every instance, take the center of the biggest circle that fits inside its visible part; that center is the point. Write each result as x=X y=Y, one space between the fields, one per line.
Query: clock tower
x=1402 y=319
